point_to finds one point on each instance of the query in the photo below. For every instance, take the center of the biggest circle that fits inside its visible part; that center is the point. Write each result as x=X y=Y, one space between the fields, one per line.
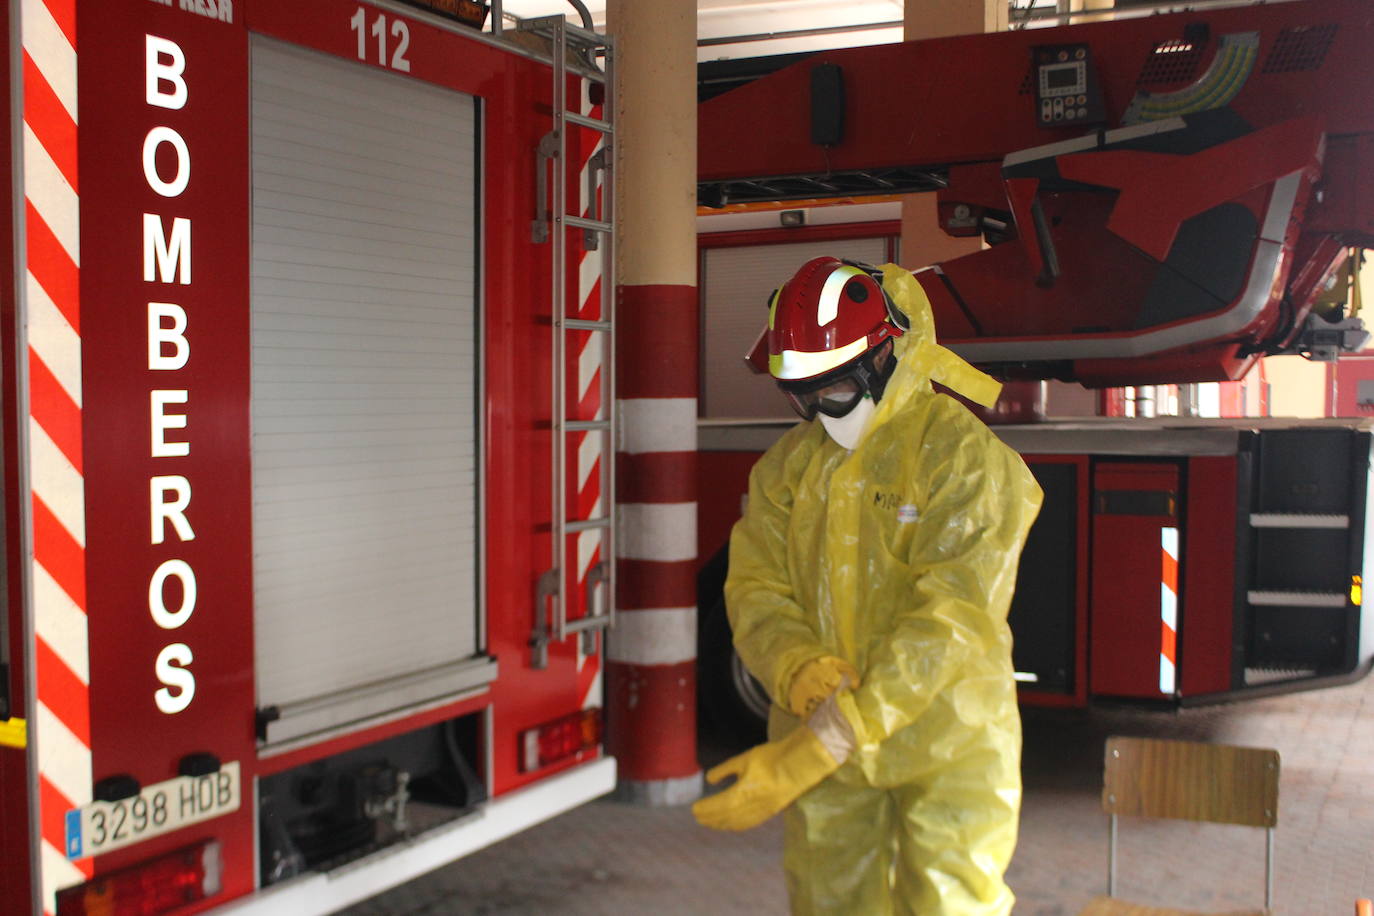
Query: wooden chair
x=1186 y=780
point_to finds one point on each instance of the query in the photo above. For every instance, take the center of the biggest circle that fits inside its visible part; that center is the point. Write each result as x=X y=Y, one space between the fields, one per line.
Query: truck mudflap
x=325 y=892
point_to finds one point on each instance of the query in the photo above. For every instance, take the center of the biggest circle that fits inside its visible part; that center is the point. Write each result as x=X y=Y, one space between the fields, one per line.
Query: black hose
x=1273 y=344
x=584 y=13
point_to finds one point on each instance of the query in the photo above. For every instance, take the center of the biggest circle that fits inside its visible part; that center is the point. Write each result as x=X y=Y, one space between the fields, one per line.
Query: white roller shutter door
x=735 y=286
x=365 y=392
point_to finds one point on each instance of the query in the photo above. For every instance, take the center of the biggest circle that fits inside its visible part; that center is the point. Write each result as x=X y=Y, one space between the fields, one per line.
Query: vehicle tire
x=733 y=706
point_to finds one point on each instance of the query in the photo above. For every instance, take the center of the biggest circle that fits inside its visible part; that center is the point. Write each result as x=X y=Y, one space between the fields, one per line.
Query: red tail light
x=148 y=888
x=560 y=739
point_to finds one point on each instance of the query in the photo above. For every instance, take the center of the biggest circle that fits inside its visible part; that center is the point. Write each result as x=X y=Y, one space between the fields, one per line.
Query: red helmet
x=822 y=324
x=830 y=313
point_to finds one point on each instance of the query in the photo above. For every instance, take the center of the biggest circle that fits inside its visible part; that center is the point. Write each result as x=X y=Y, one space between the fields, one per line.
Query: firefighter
x=868 y=591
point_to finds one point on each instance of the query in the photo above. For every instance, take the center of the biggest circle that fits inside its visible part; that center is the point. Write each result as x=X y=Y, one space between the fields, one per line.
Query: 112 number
x=399 y=30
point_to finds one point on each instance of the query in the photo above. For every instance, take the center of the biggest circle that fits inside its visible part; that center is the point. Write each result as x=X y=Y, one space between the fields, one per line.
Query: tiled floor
x=609 y=858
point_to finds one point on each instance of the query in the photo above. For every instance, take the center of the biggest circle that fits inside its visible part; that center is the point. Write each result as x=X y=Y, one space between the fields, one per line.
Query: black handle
x=1049 y=271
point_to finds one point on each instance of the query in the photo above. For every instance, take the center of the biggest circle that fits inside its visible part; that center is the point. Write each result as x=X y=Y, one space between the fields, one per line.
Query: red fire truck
x=306 y=500
x=1161 y=200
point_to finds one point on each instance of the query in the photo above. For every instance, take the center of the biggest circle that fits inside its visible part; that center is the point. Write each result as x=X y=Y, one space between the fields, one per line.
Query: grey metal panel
x=741 y=435
x=1105 y=436
x=326 y=717
x=1154 y=436
x=365 y=436
x=736 y=284
x=1116 y=437
x=1112 y=437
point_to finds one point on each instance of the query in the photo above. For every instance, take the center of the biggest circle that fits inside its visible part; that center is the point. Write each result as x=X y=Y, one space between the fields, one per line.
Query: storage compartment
x=366 y=394
x=326 y=813
x=1136 y=547
x=1044 y=608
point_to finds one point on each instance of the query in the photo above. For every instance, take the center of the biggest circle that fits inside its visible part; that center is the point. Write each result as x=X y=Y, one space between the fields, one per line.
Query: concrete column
x=923 y=241
x=651 y=669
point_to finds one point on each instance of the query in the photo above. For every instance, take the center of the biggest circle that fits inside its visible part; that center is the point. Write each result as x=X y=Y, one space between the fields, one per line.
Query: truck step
x=1296 y=599
x=1297 y=520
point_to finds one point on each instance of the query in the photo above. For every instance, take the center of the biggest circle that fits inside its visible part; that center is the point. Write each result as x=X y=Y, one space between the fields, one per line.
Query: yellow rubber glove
x=772 y=776
x=818 y=679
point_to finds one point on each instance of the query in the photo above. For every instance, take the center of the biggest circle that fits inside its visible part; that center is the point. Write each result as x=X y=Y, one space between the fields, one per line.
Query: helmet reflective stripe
x=773 y=307
x=799 y=364
x=829 y=305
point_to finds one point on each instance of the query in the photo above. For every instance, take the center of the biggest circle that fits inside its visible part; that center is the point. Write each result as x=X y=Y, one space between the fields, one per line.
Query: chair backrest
x=1218 y=783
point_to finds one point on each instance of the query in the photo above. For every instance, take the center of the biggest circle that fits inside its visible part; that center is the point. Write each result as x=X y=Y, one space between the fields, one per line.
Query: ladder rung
x=581 y=222
x=587 y=37
x=582 y=324
x=593 y=123
x=587 y=524
x=547 y=25
x=587 y=426
x=593 y=622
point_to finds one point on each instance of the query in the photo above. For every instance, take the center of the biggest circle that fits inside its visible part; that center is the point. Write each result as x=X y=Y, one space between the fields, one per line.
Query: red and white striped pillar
x=59 y=729
x=651 y=672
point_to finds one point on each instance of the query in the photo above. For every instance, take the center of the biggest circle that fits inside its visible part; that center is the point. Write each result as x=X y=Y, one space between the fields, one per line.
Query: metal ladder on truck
x=574 y=52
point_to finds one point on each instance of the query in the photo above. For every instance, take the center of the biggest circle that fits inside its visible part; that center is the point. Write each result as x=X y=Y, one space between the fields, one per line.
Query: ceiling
x=733 y=18
x=852 y=21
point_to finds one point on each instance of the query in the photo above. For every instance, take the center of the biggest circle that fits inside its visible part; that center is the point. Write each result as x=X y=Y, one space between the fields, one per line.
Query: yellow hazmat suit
x=898 y=558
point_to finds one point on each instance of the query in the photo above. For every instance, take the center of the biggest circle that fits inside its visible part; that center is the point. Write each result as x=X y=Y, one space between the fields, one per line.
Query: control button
x=1063 y=55
x=1070 y=114
x=1046 y=108
x=1082 y=112
x=1082 y=100
x=1080 y=53
x=1059 y=115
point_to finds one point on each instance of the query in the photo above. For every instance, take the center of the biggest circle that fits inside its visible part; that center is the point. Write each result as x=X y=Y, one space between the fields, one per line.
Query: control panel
x=1067 y=92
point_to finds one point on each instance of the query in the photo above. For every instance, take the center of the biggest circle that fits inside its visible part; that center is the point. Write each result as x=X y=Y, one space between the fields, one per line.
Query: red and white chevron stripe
x=1168 y=611
x=591 y=447
x=61 y=732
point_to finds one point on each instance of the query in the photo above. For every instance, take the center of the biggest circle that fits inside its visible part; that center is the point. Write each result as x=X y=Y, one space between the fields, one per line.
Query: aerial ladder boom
x=1163 y=199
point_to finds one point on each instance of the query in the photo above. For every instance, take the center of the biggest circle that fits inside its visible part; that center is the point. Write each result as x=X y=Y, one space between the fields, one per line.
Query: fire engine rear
x=306 y=505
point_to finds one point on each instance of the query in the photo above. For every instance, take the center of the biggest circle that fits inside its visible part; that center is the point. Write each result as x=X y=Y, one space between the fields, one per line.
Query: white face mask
x=848 y=429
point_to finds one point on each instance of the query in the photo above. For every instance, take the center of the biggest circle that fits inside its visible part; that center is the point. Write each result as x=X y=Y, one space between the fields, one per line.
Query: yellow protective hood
x=919 y=351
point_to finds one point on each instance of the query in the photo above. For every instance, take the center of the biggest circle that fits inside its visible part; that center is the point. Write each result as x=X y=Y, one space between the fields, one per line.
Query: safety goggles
x=834 y=399
x=839 y=391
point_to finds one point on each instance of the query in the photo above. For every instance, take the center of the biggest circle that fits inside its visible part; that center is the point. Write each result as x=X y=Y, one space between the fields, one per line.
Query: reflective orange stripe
x=1168 y=611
